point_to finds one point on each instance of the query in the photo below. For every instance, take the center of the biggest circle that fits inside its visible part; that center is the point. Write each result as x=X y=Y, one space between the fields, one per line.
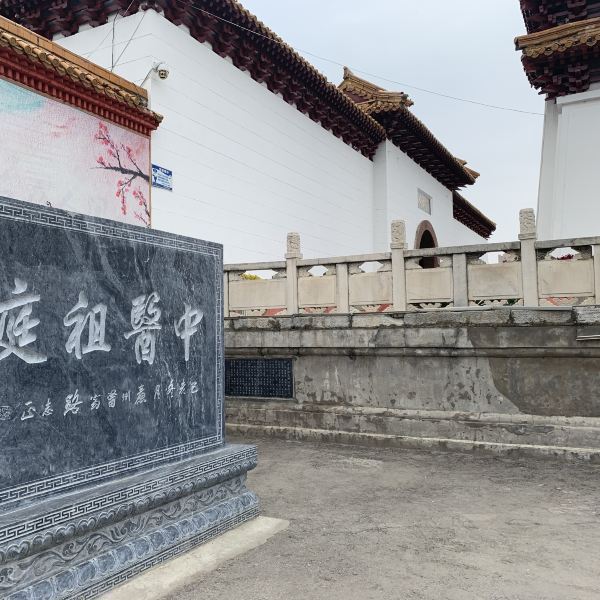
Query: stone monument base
x=82 y=543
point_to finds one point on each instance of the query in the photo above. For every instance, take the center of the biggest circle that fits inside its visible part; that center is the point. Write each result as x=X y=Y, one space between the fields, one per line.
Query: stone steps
x=572 y=438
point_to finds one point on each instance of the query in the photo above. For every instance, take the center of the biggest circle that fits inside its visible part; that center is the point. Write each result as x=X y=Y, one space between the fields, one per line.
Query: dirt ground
x=395 y=525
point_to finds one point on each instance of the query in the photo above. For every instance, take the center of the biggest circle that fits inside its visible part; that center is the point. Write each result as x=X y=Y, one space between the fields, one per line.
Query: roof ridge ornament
x=368 y=92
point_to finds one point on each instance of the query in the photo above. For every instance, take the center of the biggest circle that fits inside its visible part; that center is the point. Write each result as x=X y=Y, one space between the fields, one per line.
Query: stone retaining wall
x=502 y=376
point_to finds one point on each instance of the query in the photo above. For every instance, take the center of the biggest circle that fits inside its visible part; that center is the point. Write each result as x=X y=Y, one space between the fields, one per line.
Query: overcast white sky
x=462 y=48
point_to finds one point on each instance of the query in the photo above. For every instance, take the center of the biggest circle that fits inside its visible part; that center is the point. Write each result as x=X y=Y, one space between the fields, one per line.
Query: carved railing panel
x=566 y=276
x=251 y=295
x=495 y=284
x=429 y=288
x=370 y=286
x=317 y=289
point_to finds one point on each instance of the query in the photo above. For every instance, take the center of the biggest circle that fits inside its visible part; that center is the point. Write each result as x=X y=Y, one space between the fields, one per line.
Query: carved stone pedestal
x=81 y=544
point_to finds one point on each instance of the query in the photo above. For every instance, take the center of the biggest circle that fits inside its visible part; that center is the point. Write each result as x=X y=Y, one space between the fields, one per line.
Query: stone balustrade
x=529 y=272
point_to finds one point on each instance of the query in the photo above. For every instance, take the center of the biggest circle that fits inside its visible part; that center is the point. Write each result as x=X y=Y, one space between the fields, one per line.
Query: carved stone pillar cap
x=527 y=224
x=293 y=246
x=398 y=235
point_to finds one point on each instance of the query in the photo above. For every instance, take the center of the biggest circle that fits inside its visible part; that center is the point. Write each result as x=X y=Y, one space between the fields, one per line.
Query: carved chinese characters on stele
x=95 y=319
x=110 y=343
x=87 y=334
x=88 y=326
x=187 y=326
x=16 y=325
x=145 y=320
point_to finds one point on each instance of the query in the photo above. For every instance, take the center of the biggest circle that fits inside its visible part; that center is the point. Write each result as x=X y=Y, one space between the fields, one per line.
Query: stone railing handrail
x=260 y=266
x=474 y=249
x=423 y=279
x=333 y=260
x=568 y=243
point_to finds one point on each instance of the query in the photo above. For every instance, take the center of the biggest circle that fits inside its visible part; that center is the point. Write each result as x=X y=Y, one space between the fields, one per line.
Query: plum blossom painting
x=54 y=154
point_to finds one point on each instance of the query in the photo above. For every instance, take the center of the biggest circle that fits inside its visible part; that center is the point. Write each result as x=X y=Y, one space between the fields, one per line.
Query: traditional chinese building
x=74 y=135
x=561 y=58
x=256 y=142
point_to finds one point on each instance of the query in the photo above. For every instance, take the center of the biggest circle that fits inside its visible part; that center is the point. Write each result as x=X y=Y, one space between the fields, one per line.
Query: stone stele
x=113 y=457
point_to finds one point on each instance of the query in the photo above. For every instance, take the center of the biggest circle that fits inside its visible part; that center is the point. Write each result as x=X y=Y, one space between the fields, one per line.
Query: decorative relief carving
x=497 y=302
x=510 y=256
x=122 y=576
x=428 y=305
x=87 y=546
x=527 y=222
x=293 y=246
x=398 y=235
x=68 y=522
x=370 y=308
x=317 y=310
x=173 y=530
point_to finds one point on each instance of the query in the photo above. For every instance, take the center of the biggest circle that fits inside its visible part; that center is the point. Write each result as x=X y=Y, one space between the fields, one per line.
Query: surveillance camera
x=163 y=72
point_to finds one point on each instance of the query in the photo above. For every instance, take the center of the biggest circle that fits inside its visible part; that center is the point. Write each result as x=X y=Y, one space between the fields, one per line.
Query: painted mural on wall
x=56 y=155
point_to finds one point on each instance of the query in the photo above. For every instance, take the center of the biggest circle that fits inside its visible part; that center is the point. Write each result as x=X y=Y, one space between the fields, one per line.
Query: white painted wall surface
x=396 y=191
x=248 y=167
x=568 y=201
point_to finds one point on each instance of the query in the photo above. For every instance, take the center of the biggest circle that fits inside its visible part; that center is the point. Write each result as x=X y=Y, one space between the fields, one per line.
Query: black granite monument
x=112 y=450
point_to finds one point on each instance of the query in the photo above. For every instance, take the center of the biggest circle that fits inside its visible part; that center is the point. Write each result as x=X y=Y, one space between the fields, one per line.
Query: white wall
x=568 y=201
x=396 y=193
x=248 y=167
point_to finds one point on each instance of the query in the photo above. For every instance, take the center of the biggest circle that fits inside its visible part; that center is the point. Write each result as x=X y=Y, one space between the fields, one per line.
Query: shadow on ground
x=395 y=525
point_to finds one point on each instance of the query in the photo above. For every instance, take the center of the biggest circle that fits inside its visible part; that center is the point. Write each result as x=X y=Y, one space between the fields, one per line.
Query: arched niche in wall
x=426 y=238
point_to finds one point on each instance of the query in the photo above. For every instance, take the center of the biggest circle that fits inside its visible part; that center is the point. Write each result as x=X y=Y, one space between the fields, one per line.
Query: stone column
x=529 y=273
x=460 y=284
x=596 y=250
x=398 y=246
x=342 y=289
x=293 y=255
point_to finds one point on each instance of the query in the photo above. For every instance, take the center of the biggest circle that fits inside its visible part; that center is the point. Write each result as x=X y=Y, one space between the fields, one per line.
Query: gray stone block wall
x=515 y=365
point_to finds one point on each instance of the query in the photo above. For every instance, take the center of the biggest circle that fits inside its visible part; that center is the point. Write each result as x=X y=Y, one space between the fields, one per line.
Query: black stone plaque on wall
x=259 y=377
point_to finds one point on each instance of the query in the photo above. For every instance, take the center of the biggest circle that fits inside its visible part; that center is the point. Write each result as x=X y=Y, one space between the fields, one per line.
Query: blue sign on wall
x=162 y=178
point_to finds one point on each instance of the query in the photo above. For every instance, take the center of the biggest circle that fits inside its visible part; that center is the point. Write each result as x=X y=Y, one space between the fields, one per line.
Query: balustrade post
x=293 y=255
x=460 y=283
x=529 y=272
x=398 y=246
x=226 y=294
x=596 y=251
x=342 y=288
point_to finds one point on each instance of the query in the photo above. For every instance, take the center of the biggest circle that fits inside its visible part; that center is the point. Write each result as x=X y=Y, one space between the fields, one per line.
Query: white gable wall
x=396 y=193
x=248 y=167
